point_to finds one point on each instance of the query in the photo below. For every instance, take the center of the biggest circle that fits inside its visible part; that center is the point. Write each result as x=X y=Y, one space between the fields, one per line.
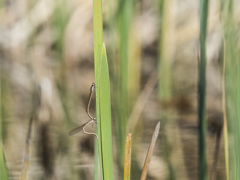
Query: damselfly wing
x=77 y=129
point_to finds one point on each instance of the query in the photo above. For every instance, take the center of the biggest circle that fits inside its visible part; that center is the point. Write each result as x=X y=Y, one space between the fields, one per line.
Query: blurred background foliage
x=47 y=68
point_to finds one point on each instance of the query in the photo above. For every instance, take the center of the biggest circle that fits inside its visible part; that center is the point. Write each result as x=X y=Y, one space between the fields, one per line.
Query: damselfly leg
x=82 y=127
x=90 y=133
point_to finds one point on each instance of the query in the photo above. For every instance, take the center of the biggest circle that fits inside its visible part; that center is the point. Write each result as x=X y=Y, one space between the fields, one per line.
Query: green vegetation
x=165 y=47
x=104 y=123
x=232 y=78
x=3 y=164
x=103 y=103
x=202 y=91
x=124 y=20
x=146 y=73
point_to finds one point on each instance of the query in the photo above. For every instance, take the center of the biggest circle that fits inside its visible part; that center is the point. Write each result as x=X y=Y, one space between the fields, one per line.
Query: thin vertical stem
x=202 y=91
x=225 y=126
x=98 y=43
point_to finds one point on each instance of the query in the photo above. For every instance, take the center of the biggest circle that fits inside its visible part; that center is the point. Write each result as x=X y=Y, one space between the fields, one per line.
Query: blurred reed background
x=159 y=68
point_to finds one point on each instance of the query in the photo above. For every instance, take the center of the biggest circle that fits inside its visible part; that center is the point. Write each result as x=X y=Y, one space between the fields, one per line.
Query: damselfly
x=92 y=119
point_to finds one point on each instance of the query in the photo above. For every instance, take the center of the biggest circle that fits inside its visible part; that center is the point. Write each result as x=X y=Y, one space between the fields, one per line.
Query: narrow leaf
x=3 y=165
x=104 y=125
x=98 y=42
x=202 y=163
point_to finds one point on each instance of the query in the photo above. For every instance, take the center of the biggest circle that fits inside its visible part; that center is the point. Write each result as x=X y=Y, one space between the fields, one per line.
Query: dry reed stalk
x=127 y=158
x=150 y=152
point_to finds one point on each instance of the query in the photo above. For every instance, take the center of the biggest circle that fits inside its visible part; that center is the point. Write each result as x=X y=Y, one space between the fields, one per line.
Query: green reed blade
x=202 y=91
x=104 y=123
x=98 y=43
x=232 y=87
x=124 y=22
x=232 y=90
x=3 y=164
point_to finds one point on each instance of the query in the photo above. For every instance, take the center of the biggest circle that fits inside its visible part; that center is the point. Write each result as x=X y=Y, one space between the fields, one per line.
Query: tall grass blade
x=104 y=123
x=150 y=152
x=166 y=48
x=3 y=164
x=225 y=124
x=124 y=24
x=98 y=43
x=202 y=91
x=232 y=87
x=98 y=39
